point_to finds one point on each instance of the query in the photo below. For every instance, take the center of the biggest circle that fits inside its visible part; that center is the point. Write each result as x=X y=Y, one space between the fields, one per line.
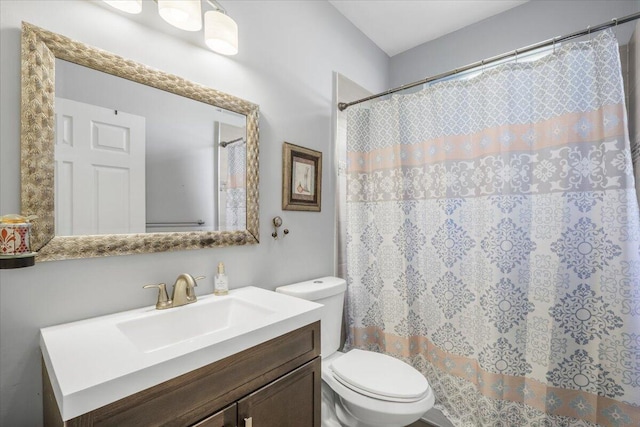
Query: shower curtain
x=493 y=241
x=236 y=200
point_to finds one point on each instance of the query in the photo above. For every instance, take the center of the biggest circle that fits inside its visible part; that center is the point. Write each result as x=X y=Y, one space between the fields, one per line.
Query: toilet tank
x=328 y=291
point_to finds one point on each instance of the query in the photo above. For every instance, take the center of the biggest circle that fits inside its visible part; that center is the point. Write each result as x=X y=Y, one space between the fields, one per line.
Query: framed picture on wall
x=301 y=178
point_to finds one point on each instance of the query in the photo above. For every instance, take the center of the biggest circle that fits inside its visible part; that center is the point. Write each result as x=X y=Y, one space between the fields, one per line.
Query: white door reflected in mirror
x=100 y=170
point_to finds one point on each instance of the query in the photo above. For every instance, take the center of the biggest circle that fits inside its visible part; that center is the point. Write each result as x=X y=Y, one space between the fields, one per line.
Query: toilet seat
x=380 y=376
x=369 y=410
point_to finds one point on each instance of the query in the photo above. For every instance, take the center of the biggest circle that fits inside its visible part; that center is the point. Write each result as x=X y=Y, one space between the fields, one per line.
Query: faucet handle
x=191 y=294
x=193 y=282
x=163 y=297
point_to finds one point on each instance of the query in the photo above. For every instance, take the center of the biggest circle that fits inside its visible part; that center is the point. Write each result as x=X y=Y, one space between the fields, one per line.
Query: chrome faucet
x=183 y=292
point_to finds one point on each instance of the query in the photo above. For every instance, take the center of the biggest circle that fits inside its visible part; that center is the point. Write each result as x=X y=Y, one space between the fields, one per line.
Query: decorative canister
x=15 y=235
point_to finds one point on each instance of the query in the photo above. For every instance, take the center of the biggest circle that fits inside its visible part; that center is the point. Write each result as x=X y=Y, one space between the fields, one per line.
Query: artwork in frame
x=301 y=178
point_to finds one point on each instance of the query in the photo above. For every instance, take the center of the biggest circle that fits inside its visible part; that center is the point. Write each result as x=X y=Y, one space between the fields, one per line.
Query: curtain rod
x=344 y=105
x=223 y=144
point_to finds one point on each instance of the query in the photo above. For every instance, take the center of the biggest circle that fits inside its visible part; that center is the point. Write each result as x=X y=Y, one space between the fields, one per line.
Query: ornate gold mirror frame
x=40 y=48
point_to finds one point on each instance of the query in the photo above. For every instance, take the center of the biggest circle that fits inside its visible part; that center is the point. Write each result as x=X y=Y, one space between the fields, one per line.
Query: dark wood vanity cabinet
x=274 y=384
x=228 y=417
x=289 y=401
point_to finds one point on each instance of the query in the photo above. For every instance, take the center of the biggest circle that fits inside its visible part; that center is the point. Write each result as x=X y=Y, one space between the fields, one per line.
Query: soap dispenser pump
x=221 y=283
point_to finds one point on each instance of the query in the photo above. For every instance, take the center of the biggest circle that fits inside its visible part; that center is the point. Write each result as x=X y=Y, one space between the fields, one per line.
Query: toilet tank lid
x=315 y=289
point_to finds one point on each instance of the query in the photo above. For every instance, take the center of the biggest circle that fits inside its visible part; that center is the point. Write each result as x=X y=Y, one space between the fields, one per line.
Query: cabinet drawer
x=191 y=397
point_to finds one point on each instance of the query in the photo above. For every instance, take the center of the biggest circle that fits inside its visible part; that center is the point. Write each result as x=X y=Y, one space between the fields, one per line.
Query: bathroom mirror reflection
x=225 y=158
x=134 y=159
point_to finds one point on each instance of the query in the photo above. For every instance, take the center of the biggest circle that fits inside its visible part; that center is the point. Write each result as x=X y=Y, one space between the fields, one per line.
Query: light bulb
x=184 y=14
x=220 y=33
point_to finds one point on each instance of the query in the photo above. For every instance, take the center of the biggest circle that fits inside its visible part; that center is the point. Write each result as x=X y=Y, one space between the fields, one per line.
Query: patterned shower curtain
x=236 y=201
x=493 y=241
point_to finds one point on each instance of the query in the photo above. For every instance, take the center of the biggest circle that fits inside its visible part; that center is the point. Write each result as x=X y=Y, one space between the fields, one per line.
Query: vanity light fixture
x=220 y=30
x=183 y=14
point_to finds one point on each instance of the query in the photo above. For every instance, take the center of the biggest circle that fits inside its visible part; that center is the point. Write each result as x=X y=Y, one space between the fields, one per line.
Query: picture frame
x=301 y=178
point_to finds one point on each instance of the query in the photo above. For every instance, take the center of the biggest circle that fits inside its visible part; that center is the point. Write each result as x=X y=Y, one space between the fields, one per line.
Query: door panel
x=291 y=401
x=100 y=170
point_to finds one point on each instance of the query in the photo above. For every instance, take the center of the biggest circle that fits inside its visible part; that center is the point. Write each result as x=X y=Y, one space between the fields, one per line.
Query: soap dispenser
x=221 y=283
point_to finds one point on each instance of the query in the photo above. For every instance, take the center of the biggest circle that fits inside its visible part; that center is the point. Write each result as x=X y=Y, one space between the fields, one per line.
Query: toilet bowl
x=360 y=388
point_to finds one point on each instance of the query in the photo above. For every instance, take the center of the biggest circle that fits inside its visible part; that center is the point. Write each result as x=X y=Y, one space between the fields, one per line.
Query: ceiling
x=399 y=25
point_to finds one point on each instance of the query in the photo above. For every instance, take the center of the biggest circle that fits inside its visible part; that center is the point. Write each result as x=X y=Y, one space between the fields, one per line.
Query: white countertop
x=92 y=363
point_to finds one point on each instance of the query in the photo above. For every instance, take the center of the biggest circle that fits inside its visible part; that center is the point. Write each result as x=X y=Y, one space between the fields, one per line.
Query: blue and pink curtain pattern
x=236 y=201
x=493 y=241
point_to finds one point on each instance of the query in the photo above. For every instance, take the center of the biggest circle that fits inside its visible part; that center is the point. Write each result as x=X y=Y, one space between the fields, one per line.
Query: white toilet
x=360 y=388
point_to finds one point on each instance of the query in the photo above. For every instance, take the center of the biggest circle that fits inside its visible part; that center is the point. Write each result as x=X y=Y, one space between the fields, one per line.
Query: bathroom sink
x=97 y=361
x=207 y=317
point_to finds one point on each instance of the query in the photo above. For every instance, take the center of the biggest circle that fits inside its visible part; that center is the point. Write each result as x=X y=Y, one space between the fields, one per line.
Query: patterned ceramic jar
x=15 y=234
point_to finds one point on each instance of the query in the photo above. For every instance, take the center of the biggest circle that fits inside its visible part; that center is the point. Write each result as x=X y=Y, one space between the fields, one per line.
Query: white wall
x=530 y=23
x=288 y=53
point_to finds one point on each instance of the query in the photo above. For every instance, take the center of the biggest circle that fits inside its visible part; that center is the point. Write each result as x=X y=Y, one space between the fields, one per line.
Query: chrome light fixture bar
x=220 y=30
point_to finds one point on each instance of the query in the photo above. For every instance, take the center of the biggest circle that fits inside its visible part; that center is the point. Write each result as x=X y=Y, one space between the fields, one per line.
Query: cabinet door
x=224 y=418
x=291 y=401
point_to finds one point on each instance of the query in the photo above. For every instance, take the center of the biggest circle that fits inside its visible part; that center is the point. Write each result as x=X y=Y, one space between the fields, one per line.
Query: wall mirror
x=194 y=183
